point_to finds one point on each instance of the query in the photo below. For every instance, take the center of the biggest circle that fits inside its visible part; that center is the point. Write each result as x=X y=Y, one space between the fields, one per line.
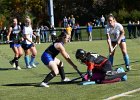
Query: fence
x=98 y=33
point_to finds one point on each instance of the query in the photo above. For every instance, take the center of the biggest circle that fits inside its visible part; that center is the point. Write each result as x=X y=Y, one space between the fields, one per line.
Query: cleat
x=43 y=84
x=28 y=67
x=17 y=68
x=33 y=65
x=66 y=80
x=128 y=68
x=13 y=64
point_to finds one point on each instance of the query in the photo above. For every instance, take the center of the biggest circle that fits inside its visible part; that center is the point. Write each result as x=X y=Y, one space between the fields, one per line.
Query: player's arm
x=90 y=67
x=62 y=50
x=109 y=42
x=26 y=38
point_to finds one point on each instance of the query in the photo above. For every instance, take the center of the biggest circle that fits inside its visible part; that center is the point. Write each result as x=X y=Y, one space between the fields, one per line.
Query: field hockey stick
x=112 y=50
x=82 y=76
x=75 y=79
x=6 y=42
x=79 y=73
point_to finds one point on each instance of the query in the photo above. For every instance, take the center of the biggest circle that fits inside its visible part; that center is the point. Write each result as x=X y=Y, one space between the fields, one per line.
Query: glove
x=90 y=74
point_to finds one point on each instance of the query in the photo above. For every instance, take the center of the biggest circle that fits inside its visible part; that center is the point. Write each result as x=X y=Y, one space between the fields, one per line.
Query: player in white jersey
x=116 y=35
x=28 y=45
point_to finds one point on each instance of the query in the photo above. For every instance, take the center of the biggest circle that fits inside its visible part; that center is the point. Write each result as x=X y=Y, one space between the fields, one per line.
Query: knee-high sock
x=126 y=60
x=16 y=61
x=27 y=60
x=111 y=58
x=32 y=60
x=50 y=76
x=61 y=72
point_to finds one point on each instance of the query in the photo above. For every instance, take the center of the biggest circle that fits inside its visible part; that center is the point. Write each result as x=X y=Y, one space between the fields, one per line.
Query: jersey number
x=95 y=55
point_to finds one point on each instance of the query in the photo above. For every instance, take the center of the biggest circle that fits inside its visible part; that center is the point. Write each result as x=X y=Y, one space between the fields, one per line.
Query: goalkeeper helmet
x=80 y=54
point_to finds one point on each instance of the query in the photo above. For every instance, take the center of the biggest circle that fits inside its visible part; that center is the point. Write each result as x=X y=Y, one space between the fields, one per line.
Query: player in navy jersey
x=13 y=35
x=54 y=64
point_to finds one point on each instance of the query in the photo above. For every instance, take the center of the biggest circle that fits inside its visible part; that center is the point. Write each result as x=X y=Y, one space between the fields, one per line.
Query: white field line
x=123 y=94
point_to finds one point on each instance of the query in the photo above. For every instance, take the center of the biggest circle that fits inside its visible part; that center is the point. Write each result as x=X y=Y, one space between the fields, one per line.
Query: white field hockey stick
x=112 y=50
x=6 y=42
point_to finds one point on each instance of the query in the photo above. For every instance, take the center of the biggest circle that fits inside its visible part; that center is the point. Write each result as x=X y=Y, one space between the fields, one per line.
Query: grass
x=23 y=84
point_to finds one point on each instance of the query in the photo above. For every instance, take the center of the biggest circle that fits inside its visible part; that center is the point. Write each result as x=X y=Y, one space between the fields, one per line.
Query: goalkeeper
x=99 y=68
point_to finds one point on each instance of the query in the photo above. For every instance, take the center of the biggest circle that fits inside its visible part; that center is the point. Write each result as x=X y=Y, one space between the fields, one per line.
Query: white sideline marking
x=123 y=94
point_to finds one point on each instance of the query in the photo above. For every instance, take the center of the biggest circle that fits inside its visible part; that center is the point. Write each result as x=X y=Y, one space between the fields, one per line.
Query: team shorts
x=12 y=45
x=26 y=46
x=122 y=40
x=46 y=58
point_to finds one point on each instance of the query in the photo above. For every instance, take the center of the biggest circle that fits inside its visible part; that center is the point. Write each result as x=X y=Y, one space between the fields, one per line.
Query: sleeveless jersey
x=15 y=32
x=52 y=50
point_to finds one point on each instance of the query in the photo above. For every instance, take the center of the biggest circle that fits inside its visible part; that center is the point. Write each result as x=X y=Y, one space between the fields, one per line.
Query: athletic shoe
x=17 y=68
x=13 y=64
x=43 y=84
x=128 y=68
x=66 y=80
x=29 y=67
x=33 y=65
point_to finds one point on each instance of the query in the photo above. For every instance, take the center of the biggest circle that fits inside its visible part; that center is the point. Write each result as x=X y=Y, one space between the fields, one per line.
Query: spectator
x=89 y=31
x=129 y=28
x=37 y=30
x=69 y=21
x=68 y=31
x=42 y=33
x=53 y=33
x=138 y=28
x=65 y=21
x=102 y=21
x=97 y=22
x=73 y=31
x=134 y=29
x=72 y=20
x=46 y=33
x=77 y=32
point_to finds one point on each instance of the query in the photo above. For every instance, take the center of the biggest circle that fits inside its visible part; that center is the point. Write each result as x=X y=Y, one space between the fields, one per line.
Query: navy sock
x=50 y=76
x=16 y=61
x=61 y=72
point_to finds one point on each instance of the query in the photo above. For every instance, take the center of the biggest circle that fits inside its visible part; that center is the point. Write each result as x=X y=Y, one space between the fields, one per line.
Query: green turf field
x=23 y=84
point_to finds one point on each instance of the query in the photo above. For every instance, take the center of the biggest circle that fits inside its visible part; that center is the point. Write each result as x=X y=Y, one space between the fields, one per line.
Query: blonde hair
x=28 y=19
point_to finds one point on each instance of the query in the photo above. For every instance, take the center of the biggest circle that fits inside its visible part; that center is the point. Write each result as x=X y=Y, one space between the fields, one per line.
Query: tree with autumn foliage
x=124 y=10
